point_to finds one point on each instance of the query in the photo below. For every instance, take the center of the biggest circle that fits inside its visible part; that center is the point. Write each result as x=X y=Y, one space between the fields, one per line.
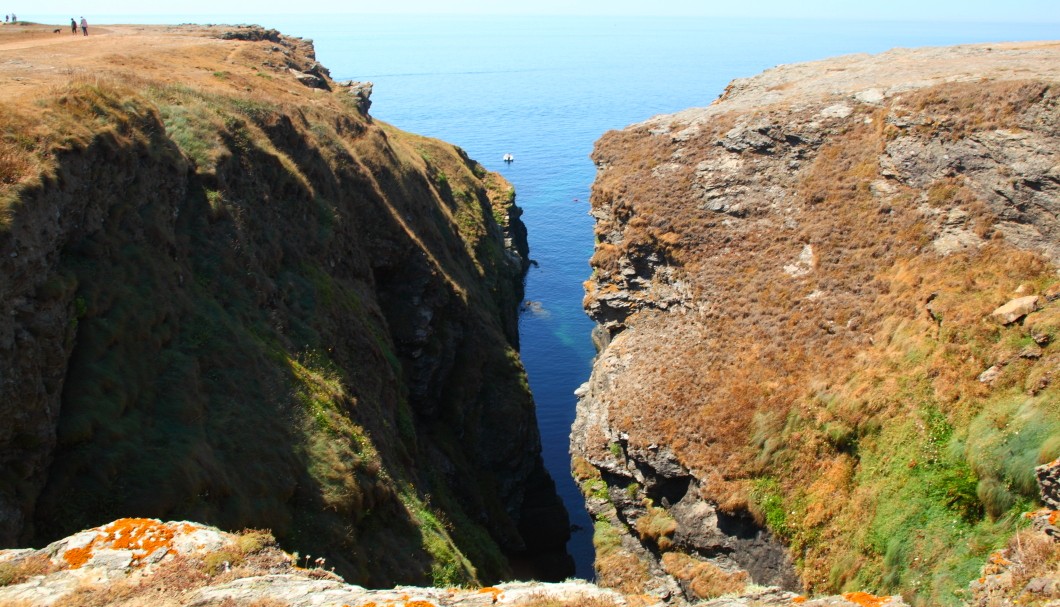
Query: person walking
x=73 y=26
x=84 y=26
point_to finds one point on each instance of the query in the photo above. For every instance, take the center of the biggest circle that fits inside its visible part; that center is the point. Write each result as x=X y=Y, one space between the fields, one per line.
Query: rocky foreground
x=828 y=314
x=139 y=562
x=148 y=562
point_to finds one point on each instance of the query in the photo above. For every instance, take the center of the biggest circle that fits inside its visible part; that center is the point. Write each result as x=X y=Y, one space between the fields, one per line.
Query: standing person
x=73 y=26
x=84 y=26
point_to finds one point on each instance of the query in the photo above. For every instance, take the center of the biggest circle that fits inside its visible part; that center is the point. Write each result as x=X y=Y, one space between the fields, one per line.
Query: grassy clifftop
x=231 y=296
x=798 y=282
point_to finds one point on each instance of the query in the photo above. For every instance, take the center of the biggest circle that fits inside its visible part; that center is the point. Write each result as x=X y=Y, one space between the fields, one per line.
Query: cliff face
x=229 y=295
x=802 y=380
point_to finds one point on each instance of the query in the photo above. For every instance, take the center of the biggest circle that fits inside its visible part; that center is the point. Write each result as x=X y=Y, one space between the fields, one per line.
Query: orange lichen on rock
x=799 y=600
x=1054 y=516
x=420 y=604
x=76 y=557
x=865 y=599
x=141 y=536
x=496 y=592
x=998 y=558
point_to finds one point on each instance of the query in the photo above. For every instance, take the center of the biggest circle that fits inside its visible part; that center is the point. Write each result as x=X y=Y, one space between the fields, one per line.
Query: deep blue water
x=544 y=89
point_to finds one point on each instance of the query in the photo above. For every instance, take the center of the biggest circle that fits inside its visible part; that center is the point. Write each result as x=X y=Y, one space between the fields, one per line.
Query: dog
x=57 y=30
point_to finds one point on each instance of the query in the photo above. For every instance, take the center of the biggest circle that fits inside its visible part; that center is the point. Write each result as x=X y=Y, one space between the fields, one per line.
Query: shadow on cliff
x=313 y=333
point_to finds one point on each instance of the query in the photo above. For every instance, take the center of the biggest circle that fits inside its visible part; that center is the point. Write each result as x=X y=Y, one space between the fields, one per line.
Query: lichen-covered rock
x=144 y=561
x=313 y=81
x=362 y=92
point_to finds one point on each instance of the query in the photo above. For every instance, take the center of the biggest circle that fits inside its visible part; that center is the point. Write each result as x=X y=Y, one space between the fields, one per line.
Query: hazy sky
x=1031 y=11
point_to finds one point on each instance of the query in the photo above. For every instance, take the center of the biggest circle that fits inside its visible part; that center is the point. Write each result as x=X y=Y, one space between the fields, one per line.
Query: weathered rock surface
x=1048 y=476
x=762 y=263
x=362 y=92
x=1015 y=309
x=144 y=561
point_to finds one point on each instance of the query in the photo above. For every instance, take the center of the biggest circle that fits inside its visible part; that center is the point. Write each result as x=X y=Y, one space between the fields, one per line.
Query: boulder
x=990 y=375
x=1015 y=309
x=311 y=80
x=362 y=92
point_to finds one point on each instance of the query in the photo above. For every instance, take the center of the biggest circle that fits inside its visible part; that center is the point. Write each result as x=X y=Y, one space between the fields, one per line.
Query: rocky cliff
x=228 y=295
x=827 y=318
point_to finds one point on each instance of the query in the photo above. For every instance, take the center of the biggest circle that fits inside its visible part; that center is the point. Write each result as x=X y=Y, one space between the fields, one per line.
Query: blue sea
x=544 y=89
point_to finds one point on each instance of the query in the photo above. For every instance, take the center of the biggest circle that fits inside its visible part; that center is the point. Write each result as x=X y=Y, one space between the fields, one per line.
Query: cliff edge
x=228 y=295
x=827 y=308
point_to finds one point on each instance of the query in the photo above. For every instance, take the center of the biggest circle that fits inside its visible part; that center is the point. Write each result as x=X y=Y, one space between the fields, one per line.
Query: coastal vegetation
x=241 y=300
x=830 y=368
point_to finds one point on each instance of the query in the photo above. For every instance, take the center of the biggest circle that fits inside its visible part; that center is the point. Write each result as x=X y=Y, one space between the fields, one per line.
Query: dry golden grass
x=958 y=110
x=544 y=599
x=622 y=571
x=16 y=572
x=782 y=391
x=704 y=579
x=657 y=527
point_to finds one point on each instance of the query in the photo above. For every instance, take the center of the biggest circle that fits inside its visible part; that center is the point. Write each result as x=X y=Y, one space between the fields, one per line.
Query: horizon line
x=434 y=14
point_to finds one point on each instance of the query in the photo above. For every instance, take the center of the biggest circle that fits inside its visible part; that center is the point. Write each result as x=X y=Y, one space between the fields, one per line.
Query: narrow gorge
x=260 y=349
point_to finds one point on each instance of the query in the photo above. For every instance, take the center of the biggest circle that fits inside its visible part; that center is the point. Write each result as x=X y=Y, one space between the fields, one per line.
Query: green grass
x=768 y=498
x=916 y=471
x=449 y=567
x=606 y=539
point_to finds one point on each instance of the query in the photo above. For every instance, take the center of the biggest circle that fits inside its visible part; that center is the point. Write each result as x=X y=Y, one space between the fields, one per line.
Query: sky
x=1020 y=11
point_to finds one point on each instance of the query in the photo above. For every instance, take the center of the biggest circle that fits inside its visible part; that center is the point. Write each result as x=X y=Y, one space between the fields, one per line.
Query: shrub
x=706 y=580
x=658 y=527
x=220 y=561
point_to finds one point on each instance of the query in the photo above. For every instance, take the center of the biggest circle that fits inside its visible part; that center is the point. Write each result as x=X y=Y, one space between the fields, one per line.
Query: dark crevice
x=740 y=525
x=668 y=491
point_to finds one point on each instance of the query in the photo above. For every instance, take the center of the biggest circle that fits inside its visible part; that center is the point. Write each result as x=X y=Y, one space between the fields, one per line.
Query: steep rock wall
x=258 y=310
x=800 y=372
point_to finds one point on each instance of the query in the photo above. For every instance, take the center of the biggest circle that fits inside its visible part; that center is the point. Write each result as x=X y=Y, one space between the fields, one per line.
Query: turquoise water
x=544 y=89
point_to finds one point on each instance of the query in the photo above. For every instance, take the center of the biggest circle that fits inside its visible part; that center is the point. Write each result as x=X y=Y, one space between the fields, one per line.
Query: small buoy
x=509 y=158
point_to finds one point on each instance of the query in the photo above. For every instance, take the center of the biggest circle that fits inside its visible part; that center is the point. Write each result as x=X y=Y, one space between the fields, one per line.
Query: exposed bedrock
x=821 y=305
